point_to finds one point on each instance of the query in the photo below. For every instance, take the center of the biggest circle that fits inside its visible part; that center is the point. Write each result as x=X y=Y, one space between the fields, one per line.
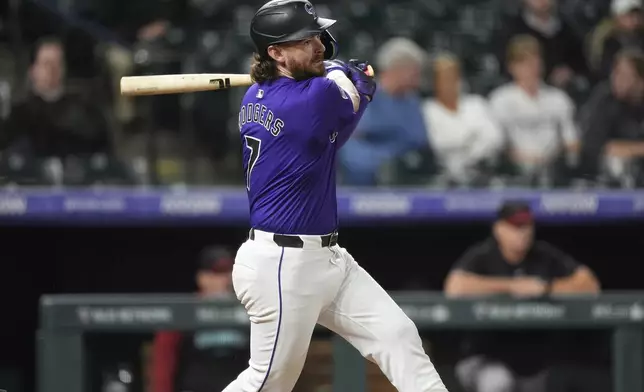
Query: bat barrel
x=177 y=84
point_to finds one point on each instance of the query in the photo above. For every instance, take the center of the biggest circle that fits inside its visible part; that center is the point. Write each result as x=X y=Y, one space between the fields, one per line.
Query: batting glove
x=336 y=65
x=361 y=74
x=361 y=64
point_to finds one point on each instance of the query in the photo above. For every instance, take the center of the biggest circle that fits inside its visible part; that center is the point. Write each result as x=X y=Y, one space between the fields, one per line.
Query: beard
x=307 y=71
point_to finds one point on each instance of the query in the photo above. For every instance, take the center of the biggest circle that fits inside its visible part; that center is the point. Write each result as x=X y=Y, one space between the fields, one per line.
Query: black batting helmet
x=280 y=21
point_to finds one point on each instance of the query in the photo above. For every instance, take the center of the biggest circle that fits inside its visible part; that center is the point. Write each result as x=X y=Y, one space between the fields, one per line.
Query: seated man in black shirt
x=512 y=263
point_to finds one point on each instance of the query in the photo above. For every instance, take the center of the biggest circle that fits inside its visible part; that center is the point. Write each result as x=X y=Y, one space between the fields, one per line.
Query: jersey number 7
x=254 y=145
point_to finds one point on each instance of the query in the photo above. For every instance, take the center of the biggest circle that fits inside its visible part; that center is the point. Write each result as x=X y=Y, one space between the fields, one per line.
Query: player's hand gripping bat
x=177 y=84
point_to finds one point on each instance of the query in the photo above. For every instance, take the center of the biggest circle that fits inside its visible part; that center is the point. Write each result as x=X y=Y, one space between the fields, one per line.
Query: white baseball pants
x=287 y=291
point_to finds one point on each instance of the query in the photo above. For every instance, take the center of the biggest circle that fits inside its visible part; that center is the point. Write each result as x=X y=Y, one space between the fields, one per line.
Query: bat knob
x=363 y=66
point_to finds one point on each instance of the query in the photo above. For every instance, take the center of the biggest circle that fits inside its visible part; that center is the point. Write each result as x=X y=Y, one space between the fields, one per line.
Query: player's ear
x=276 y=53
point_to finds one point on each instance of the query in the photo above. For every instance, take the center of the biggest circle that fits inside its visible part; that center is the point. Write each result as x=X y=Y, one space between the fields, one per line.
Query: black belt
x=294 y=241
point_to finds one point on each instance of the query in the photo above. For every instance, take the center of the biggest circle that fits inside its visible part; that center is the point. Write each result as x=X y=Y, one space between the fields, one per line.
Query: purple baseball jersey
x=291 y=131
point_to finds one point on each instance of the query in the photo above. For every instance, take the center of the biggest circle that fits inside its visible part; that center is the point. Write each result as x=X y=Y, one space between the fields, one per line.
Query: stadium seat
x=98 y=169
x=416 y=167
x=20 y=170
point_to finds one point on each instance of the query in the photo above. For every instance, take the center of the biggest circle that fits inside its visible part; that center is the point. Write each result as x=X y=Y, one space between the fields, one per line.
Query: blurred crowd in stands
x=472 y=93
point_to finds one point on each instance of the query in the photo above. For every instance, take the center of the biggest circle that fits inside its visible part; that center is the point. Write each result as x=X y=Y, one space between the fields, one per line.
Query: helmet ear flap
x=331 y=48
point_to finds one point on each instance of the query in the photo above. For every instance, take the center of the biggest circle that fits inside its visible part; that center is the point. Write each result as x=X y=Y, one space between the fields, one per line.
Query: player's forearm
x=625 y=149
x=564 y=286
x=581 y=282
x=461 y=284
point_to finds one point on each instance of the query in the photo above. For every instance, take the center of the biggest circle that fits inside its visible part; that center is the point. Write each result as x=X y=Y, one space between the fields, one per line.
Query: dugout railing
x=65 y=319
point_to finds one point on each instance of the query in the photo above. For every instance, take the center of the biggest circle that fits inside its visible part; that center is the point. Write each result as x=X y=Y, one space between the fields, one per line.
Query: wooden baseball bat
x=178 y=84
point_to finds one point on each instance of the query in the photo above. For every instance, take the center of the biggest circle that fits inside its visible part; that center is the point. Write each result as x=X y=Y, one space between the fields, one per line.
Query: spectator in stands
x=613 y=123
x=50 y=122
x=393 y=123
x=538 y=119
x=510 y=262
x=136 y=23
x=624 y=30
x=206 y=360
x=563 y=55
x=464 y=134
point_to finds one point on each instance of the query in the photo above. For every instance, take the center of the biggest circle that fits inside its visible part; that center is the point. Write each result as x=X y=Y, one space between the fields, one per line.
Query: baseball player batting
x=291 y=274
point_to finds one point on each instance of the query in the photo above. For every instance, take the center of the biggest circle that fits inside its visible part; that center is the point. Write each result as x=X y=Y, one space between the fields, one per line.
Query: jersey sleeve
x=473 y=261
x=333 y=110
x=346 y=130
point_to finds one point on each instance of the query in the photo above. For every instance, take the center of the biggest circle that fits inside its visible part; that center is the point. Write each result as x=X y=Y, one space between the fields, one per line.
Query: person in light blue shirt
x=393 y=123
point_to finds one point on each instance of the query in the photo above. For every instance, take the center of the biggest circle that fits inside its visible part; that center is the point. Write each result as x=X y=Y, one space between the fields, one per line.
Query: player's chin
x=318 y=69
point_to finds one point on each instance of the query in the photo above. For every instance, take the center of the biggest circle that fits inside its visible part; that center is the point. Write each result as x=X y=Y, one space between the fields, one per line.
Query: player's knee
x=402 y=329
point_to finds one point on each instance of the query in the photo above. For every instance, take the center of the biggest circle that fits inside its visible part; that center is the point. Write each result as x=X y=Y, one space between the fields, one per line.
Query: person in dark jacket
x=204 y=360
x=562 y=47
x=51 y=122
x=613 y=121
x=624 y=29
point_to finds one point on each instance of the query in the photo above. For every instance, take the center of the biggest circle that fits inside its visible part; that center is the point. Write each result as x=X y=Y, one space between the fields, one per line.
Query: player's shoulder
x=311 y=92
x=251 y=93
x=266 y=87
x=310 y=86
x=323 y=86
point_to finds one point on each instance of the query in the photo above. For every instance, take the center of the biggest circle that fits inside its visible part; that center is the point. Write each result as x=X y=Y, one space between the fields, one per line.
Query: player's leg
x=368 y=318
x=282 y=290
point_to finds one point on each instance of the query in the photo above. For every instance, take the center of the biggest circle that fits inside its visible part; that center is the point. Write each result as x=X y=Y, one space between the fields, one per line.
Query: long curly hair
x=263 y=69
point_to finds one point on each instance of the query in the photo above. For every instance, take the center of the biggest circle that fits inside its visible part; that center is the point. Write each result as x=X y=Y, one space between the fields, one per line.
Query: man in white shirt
x=461 y=128
x=538 y=120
